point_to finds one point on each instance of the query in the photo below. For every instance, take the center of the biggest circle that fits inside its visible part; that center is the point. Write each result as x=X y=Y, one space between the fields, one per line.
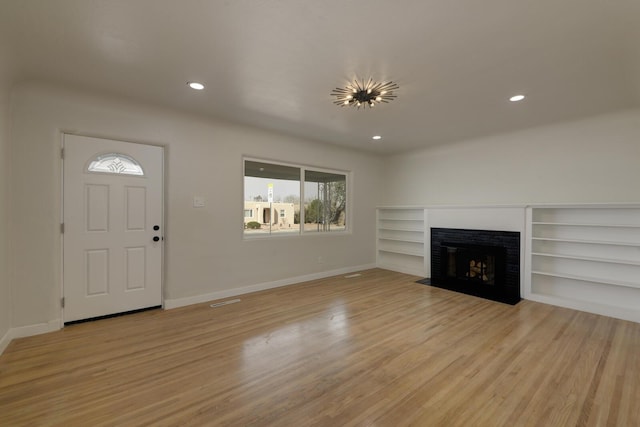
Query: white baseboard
x=5 y=340
x=181 y=302
x=590 y=307
x=54 y=325
x=40 y=328
x=402 y=269
x=27 y=331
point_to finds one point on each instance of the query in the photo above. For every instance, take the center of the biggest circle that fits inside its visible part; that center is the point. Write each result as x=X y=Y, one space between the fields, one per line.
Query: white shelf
x=588 y=279
x=416 y=230
x=416 y=268
x=586 y=257
x=575 y=224
x=400 y=239
x=396 y=239
x=583 y=258
x=587 y=242
x=403 y=252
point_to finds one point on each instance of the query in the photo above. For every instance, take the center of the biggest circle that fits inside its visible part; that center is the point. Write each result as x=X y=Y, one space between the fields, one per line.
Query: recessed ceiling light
x=196 y=85
x=516 y=98
x=377 y=137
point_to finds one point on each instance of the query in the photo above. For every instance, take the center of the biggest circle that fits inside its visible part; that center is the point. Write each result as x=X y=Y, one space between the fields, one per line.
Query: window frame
x=348 y=229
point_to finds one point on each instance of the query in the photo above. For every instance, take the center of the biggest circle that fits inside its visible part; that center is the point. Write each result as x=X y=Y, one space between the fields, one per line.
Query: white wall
x=205 y=252
x=5 y=182
x=592 y=160
x=632 y=32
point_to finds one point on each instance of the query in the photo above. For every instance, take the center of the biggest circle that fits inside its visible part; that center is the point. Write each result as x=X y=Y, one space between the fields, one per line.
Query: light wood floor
x=374 y=350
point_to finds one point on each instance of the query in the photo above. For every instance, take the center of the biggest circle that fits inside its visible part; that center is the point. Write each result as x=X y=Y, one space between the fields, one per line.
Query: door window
x=116 y=163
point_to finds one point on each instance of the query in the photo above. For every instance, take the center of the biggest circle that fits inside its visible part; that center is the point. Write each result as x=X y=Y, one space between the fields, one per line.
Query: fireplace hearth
x=483 y=263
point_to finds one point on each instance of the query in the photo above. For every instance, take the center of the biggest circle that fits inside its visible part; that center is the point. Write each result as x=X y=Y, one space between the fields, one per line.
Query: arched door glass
x=116 y=163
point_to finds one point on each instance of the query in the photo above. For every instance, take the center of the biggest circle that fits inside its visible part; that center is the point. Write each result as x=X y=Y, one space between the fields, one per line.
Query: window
x=287 y=199
x=116 y=163
x=325 y=201
x=270 y=189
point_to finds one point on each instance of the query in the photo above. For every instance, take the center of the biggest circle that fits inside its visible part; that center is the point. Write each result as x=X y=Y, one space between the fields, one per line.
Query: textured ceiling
x=273 y=63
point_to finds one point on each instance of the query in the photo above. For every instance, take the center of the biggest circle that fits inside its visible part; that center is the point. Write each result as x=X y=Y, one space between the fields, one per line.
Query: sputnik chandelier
x=361 y=94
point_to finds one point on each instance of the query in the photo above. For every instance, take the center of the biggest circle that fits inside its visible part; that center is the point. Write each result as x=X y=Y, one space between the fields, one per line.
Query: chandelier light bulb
x=362 y=93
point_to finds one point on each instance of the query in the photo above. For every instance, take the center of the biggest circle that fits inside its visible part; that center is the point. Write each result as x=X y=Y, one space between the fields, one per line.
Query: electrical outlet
x=320 y=260
x=198 y=202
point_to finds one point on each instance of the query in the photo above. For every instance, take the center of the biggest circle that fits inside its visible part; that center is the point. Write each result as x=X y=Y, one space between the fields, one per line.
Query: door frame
x=61 y=218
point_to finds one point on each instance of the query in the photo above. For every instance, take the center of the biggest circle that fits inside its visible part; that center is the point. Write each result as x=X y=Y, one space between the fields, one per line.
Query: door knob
x=156 y=238
x=156 y=227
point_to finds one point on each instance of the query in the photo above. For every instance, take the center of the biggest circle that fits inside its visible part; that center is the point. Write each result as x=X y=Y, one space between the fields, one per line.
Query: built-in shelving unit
x=400 y=239
x=586 y=257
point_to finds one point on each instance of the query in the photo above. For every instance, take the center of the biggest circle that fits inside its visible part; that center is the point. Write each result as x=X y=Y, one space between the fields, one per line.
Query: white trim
x=485 y=218
x=532 y=205
x=37 y=329
x=181 y=302
x=526 y=273
x=5 y=340
x=28 y=331
x=450 y=206
x=586 y=205
x=61 y=257
x=402 y=269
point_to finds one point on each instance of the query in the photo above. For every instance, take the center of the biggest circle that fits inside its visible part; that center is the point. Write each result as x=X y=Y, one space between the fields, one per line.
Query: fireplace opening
x=483 y=263
x=473 y=264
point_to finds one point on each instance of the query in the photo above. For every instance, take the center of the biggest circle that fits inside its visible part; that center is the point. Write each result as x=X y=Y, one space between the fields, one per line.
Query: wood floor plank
x=377 y=349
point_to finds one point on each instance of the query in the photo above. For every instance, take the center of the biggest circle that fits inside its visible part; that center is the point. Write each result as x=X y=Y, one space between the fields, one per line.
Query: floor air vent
x=220 y=304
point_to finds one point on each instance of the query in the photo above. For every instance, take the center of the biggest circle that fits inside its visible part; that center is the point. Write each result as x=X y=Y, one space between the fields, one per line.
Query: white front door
x=112 y=227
